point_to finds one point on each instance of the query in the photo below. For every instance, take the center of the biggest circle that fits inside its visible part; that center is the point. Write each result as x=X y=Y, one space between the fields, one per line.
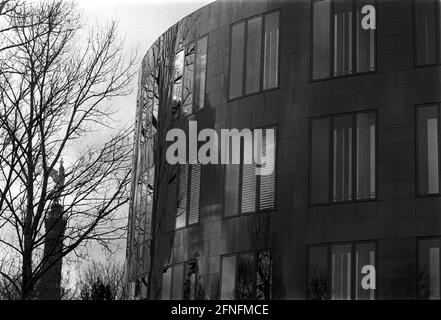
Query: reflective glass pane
x=428 y=162
x=271 y=53
x=177 y=85
x=263 y=276
x=245 y=276
x=342 y=161
x=177 y=282
x=365 y=41
x=366 y=146
x=237 y=60
x=166 y=284
x=254 y=39
x=342 y=37
x=365 y=276
x=425 y=32
x=318 y=273
x=320 y=161
x=181 y=212
x=228 y=278
x=341 y=272
x=201 y=68
x=321 y=39
x=187 y=96
x=428 y=276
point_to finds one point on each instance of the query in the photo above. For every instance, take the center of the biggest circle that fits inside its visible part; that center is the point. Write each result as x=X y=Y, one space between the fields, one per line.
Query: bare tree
x=54 y=94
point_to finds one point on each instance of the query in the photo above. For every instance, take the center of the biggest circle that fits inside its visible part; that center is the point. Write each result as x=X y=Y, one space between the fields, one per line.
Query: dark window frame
x=193 y=104
x=262 y=56
x=331 y=45
x=331 y=159
x=188 y=195
x=328 y=246
x=255 y=256
x=437 y=35
x=258 y=181
x=417 y=176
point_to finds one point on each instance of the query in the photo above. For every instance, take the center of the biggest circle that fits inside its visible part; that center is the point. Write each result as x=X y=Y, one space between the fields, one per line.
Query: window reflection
x=177 y=85
x=246 y=276
x=428 y=150
x=271 y=53
x=429 y=269
x=426 y=29
x=353 y=158
x=259 y=66
x=228 y=278
x=177 y=282
x=339 y=42
x=166 y=284
x=264 y=278
x=187 y=97
x=200 y=79
x=236 y=60
x=254 y=38
x=342 y=271
x=342 y=175
x=320 y=161
x=318 y=273
x=190 y=281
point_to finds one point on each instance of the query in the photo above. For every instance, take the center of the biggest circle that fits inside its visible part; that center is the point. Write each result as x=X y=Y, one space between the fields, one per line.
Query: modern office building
x=353 y=207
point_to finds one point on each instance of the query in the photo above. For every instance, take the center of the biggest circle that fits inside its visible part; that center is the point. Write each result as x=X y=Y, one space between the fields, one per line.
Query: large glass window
x=190 y=77
x=189 y=181
x=339 y=41
x=246 y=276
x=342 y=271
x=353 y=159
x=201 y=74
x=254 y=56
x=245 y=190
x=429 y=269
x=428 y=149
x=427 y=32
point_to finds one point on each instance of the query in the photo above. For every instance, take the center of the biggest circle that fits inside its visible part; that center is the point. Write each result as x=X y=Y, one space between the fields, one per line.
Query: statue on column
x=58 y=177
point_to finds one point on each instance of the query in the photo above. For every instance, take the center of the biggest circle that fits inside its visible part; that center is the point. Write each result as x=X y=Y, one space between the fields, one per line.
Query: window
x=427 y=32
x=180 y=282
x=254 y=55
x=246 y=276
x=340 y=45
x=349 y=153
x=342 y=271
x=428 y=276
x=189 y=181
x=428 y=149
x=190 y=77
x=245 y=191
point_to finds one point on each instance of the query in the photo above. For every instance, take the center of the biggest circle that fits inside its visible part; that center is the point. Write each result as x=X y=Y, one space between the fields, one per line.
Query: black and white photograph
x=226 y=150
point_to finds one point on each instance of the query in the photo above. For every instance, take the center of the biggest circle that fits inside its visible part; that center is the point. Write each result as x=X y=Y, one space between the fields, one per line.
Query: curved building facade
x=352 y=209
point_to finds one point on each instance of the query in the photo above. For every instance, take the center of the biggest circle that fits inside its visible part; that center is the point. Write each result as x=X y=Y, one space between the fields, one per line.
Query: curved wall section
x=353 y=208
